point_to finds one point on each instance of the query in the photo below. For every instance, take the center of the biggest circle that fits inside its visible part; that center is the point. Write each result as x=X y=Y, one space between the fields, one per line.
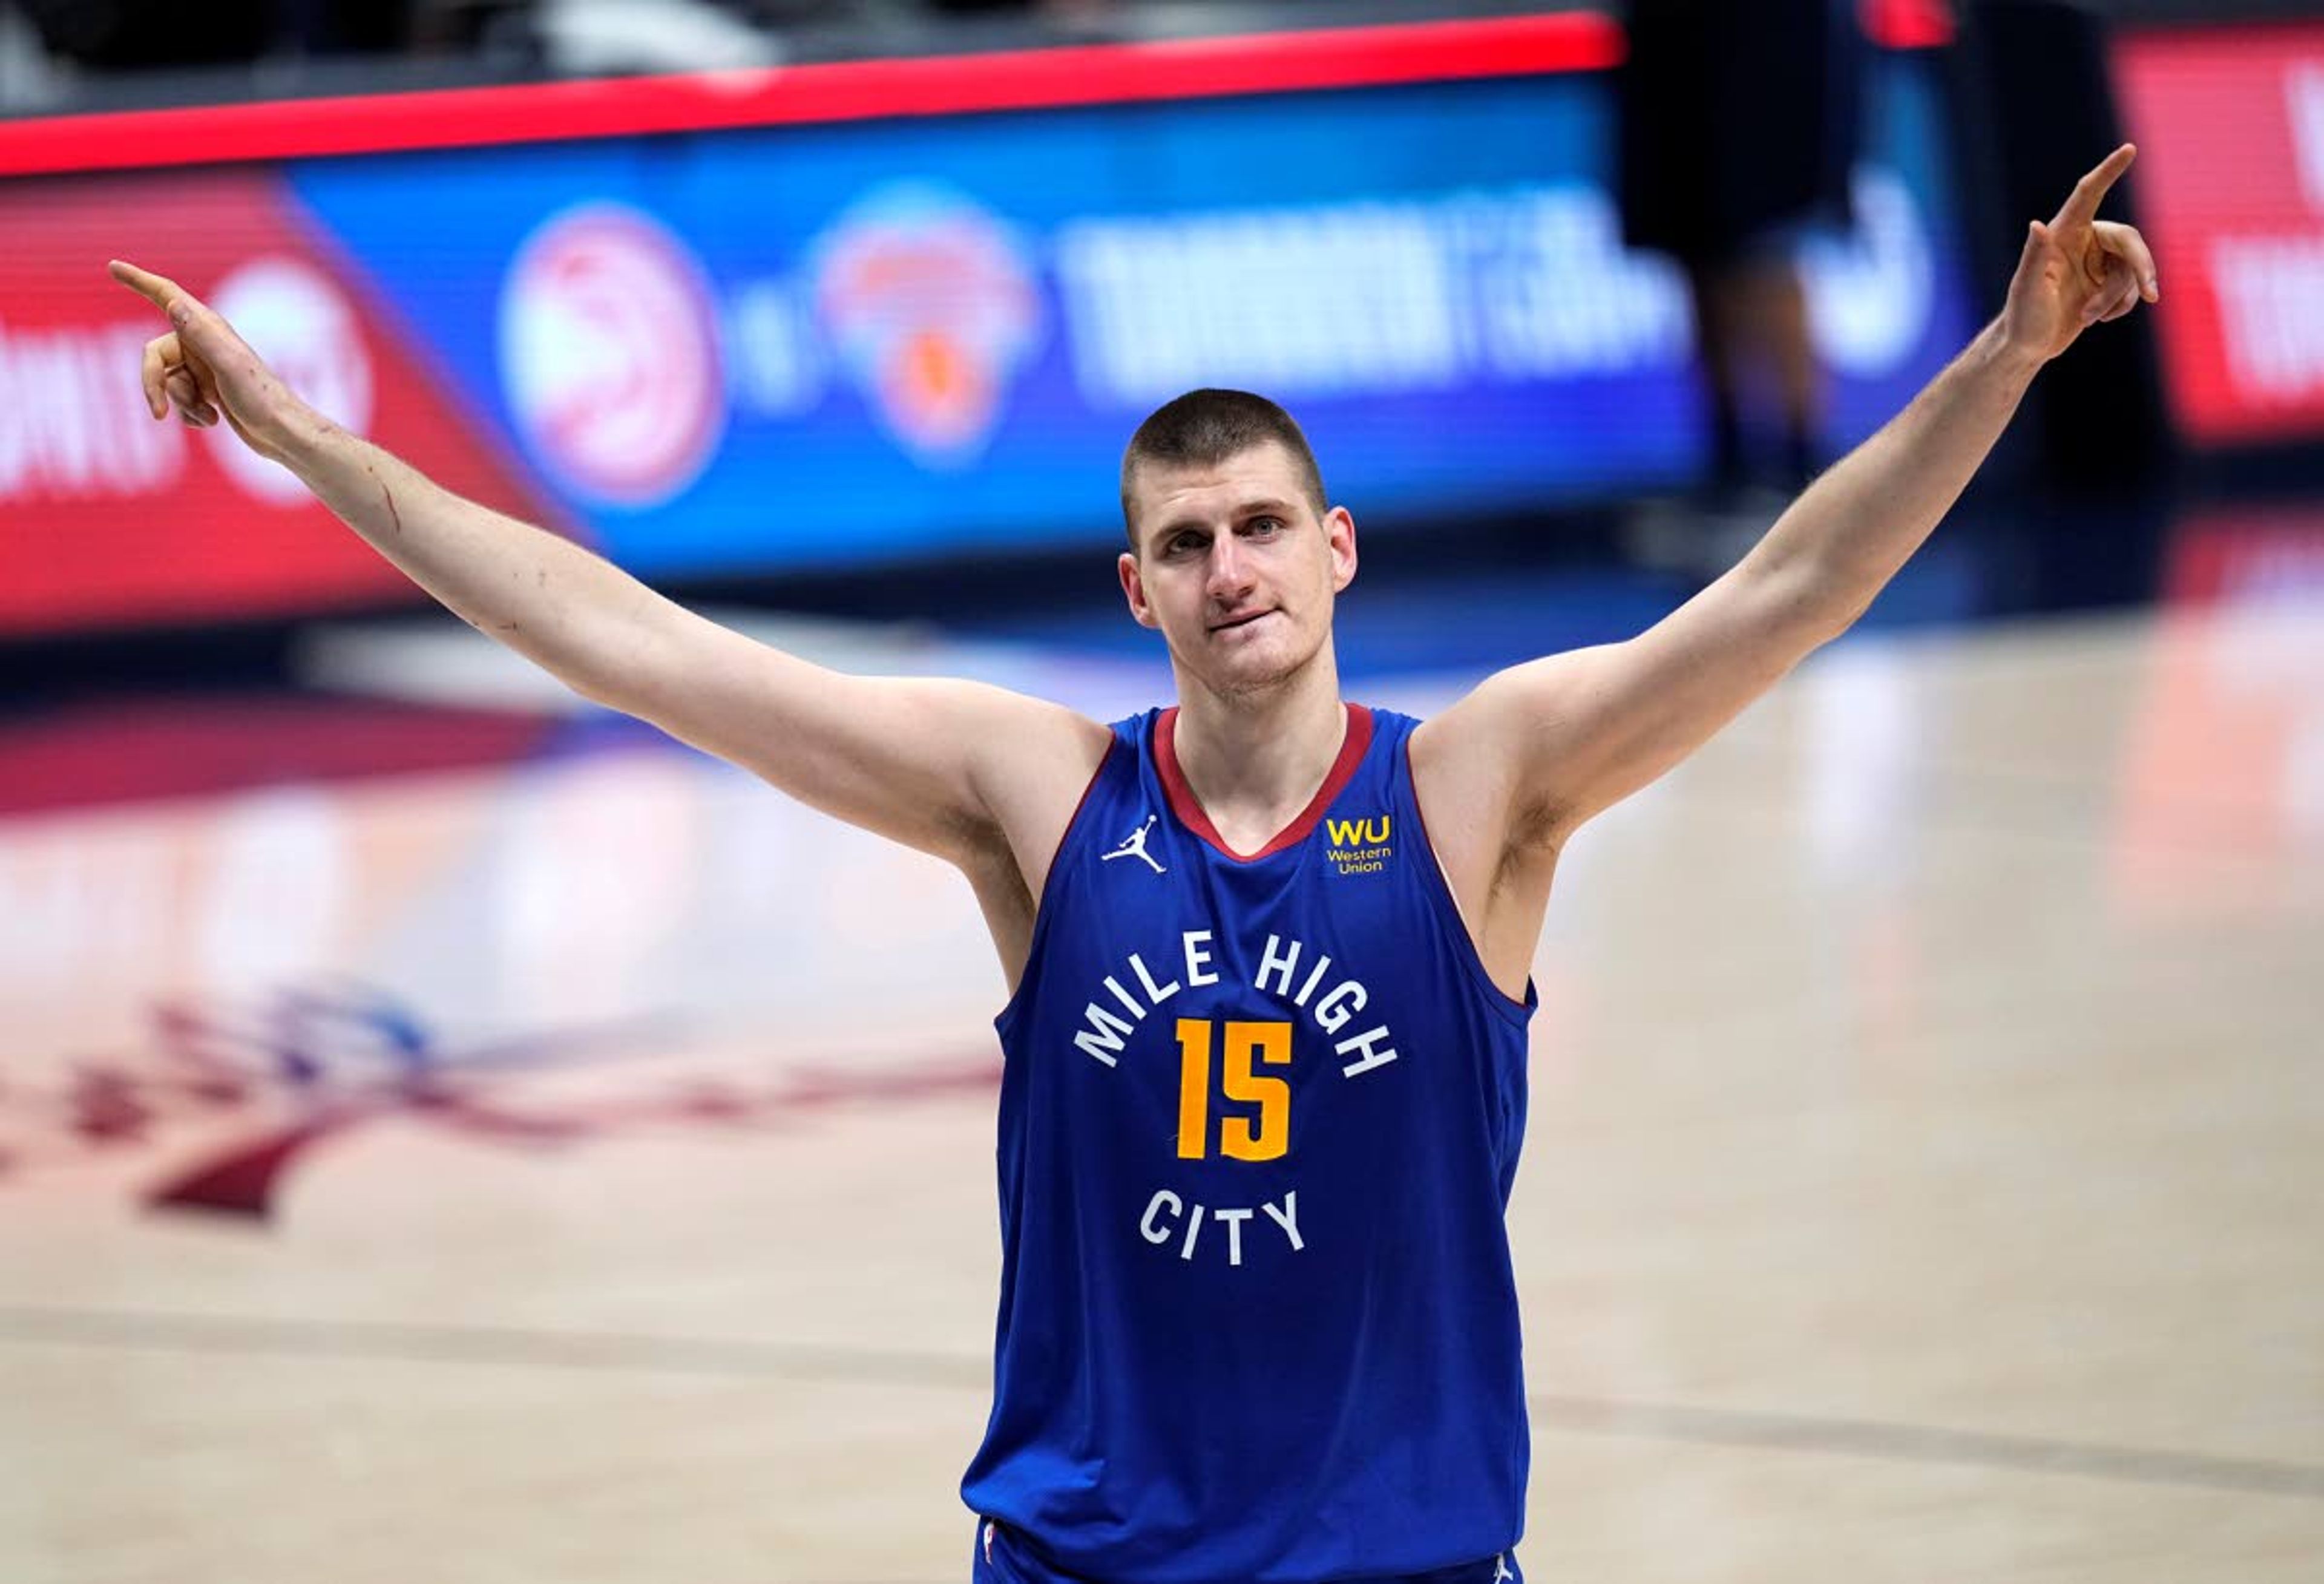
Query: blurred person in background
x=1268 y=952
x=134 y=34
x=143 y=34
x=1738 y=130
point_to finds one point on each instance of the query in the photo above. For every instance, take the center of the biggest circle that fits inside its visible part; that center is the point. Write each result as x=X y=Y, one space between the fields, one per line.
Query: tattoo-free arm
x=1566 y=736
x=935 y=763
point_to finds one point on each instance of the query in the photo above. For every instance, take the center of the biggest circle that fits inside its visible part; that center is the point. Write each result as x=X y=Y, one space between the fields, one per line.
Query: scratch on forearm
x=394 y=516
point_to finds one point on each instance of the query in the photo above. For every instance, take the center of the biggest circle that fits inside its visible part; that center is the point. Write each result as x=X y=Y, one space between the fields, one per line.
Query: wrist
x=301 y=437
x=1998 y=350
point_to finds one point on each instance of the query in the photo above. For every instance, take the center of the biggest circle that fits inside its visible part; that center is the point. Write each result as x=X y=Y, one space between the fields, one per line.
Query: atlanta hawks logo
x=1135 y=847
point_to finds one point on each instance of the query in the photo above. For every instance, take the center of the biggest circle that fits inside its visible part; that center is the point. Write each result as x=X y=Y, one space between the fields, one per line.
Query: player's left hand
x=2077 y=270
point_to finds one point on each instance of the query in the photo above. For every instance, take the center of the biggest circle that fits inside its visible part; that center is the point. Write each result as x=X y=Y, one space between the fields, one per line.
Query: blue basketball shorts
x=1001 y=1557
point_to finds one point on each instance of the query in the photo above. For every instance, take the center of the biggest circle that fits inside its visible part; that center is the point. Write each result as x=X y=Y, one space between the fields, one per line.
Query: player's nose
x=1229 y=569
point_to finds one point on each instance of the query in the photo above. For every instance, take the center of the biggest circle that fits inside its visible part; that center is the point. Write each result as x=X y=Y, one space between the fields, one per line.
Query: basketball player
x=1269 y=950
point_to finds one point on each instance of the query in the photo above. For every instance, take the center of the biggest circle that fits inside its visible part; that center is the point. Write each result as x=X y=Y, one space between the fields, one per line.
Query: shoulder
x=1497 y=856
x=1463 y=786
x=1030 y=747
x=1463 y=766
x=1036 y=763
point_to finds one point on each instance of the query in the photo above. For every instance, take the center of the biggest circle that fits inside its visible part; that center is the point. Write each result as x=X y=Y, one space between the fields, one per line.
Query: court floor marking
x=1894 y=1440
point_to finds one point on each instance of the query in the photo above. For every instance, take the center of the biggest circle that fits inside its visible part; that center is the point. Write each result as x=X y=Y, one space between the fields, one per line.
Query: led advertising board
x=786 y=341
x=2230 y=127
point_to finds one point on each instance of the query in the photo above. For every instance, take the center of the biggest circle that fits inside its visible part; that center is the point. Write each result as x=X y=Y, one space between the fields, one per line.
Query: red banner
x=915 y=85
x=2230 y=128
x=107 y=517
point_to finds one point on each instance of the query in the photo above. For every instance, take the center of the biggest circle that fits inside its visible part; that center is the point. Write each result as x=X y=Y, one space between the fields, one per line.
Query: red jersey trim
x=1190 y=813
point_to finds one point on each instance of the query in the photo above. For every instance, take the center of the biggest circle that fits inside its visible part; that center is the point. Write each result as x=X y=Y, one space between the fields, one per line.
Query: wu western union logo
x=1359 y=846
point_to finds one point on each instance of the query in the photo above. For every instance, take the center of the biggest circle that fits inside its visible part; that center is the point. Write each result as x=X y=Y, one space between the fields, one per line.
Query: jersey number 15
x=1241 y=1138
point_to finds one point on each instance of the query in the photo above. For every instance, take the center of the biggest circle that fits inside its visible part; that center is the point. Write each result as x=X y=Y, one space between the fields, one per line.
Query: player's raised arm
x=1571 y=734
x=920 y=760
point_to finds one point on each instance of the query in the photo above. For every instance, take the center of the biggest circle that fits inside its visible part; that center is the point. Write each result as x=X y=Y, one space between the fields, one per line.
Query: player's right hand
x=206 y=371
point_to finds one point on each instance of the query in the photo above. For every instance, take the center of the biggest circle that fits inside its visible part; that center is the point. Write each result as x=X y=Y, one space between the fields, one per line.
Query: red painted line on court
x=1019 y=80
x=131 y=750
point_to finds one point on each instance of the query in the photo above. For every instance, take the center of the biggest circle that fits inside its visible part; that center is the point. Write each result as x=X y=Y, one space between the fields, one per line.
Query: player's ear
x=1340 y=533
x=1133 y=589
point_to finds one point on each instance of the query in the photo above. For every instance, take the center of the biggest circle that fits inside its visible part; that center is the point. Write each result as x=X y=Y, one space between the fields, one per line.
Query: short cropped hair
x=1204 y=427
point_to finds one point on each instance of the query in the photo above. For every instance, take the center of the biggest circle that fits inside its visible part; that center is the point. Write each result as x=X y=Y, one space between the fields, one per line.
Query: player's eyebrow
x=1260 y=506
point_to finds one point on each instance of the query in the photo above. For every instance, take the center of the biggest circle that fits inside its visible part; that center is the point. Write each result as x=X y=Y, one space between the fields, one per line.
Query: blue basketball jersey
x=1259 y=1118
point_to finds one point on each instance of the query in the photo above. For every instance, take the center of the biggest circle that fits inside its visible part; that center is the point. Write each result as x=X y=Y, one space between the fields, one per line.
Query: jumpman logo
x=1135 y=847
x=1501 y=1568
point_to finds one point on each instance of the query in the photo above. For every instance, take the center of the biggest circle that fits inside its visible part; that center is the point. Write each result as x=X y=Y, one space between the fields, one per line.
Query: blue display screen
x=735 y=352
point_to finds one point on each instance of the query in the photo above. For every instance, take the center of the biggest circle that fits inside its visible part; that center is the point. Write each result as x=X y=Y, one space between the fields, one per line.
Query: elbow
x=1809 y=600
x=1824 y=621
x=604 y=697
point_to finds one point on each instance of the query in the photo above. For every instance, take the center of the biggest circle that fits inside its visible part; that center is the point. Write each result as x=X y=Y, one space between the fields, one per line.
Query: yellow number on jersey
x=1241 y=1138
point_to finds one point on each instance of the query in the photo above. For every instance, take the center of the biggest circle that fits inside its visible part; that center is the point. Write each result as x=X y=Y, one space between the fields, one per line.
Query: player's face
x=1235 y=568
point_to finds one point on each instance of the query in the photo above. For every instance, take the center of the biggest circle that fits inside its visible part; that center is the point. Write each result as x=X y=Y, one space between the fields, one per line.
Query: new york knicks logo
x=1360 y=846
x=931 y=304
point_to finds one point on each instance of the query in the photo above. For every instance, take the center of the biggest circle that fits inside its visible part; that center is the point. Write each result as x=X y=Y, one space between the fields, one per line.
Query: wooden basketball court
x=583 y=1171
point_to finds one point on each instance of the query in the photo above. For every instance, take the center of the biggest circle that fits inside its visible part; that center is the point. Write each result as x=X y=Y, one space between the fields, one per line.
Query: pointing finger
x=158 y=289
x=2081 y=204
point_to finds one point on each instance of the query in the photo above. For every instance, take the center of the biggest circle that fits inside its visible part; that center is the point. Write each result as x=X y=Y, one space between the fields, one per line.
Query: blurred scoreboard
x=2230 y=120
x=843 y=315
